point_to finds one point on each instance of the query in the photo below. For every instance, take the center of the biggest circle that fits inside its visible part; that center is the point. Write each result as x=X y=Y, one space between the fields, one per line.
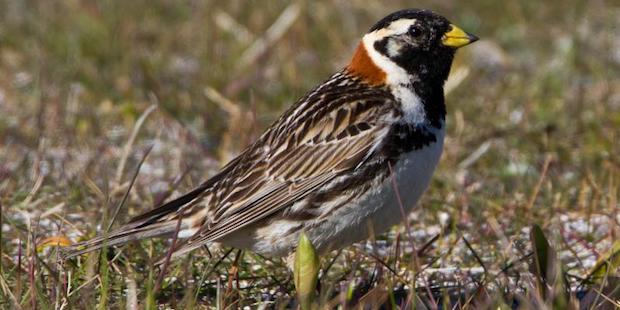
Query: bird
x=349 y=159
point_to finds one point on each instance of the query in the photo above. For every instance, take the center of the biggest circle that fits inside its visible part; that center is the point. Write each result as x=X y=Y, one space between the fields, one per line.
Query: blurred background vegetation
x=533 y=132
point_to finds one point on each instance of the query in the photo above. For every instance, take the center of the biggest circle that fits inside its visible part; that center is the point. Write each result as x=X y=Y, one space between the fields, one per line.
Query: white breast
x=373 y=213
x=380 y=208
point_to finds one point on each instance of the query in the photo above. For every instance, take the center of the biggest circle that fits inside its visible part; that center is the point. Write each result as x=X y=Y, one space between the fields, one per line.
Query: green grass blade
x=548 y=271
x=306 y=273
x=607 y=263
x=542 y=256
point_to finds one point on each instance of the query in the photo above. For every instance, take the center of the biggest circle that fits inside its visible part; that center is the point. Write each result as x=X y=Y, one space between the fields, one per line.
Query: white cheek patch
x=394 y=47
x=395 y=74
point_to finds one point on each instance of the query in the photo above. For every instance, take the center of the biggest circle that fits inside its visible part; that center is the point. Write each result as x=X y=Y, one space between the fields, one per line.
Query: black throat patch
x=405 y=138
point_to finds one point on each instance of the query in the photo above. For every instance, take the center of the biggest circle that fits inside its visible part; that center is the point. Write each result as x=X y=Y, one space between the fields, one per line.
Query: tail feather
x=154 y=223
x=160 y=221
x=123 y=235
x=169 y=207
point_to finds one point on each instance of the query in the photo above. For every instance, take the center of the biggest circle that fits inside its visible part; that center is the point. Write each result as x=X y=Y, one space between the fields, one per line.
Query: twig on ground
x=175 y=183
x=171 y=250
x=273 y=34
x=543 y=174
x=129 y=144
x=330 y=264
x=423 y=249
x=416 y=259
x=1 y=238
x=131 y=183
x=7 y=292
x=132 y=290
x=227 y=23
x=386 y=265
x=208 y=272
x=480 y=262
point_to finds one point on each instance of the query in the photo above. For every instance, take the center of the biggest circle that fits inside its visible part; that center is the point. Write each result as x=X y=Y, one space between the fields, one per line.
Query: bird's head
x=409 y=45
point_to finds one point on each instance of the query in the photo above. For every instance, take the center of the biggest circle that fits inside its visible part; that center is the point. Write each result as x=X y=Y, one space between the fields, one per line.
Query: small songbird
x=339 y=164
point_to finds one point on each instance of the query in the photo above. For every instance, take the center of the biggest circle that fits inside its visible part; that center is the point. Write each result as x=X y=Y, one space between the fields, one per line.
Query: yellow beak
x=456 y=37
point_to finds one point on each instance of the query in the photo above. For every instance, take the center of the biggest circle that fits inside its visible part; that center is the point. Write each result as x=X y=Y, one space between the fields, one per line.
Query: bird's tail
x=122 y=235
x=162 y=221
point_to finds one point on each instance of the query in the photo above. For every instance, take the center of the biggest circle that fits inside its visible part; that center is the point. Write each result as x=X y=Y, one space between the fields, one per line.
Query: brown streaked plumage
x=323 y=166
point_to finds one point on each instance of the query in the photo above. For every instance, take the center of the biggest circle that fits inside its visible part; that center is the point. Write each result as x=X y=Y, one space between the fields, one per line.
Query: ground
x=87 y=89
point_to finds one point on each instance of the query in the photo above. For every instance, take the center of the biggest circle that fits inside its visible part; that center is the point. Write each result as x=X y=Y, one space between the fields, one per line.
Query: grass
x=533 y=127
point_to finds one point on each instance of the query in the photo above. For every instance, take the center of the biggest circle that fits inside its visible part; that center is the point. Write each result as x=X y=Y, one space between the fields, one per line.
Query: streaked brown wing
x=321 y=144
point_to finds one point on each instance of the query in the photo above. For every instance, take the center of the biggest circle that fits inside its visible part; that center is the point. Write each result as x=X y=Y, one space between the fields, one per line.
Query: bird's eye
x=415 y=32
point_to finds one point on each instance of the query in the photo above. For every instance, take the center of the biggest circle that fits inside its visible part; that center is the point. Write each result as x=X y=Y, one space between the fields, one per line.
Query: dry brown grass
x=534 y=112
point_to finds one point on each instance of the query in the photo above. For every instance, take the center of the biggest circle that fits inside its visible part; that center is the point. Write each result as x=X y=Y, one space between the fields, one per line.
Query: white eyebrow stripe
x=401 y=26
x=396 y=75
x=396 y=27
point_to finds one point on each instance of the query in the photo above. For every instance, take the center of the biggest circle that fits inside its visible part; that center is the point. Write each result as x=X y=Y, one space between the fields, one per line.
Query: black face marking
x=422 y=55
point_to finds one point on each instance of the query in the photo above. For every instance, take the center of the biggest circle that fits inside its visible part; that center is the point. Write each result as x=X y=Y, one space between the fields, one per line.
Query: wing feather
x=314 y=154
x=331 y=131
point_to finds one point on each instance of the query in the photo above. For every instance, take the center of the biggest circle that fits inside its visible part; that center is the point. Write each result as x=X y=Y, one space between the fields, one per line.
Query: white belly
x=373 y=213
x=380 y=208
